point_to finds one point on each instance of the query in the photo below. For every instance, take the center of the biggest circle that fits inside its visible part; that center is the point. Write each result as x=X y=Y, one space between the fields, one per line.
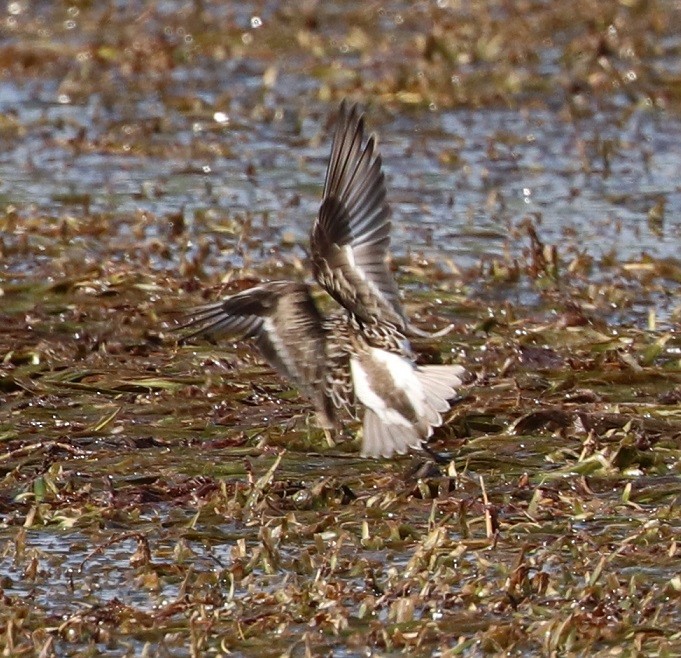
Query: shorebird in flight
x=359 y=358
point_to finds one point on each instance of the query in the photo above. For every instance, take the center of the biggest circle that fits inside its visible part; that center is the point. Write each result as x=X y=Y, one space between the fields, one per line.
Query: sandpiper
x=358 y=358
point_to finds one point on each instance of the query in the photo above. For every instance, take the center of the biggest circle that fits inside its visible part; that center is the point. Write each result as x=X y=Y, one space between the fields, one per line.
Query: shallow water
x=463 y=212
x=150 y=152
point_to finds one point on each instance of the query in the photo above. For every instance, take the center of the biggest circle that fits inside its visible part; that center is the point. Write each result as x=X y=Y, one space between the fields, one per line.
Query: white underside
x=403 y=377
x=386 y=431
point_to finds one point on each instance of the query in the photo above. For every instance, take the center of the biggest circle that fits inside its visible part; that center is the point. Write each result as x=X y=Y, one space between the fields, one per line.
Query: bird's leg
x=435 y=456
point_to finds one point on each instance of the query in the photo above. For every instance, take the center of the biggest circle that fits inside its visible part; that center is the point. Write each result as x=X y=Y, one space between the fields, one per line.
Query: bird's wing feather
x=350 y=238
x=284 y=322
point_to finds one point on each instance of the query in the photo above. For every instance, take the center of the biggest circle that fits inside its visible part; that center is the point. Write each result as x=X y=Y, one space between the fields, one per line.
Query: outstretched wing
x=351 y=236
x=283 y=320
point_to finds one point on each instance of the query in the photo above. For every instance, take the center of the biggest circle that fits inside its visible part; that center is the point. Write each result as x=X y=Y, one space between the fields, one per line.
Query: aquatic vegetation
x=159 y=499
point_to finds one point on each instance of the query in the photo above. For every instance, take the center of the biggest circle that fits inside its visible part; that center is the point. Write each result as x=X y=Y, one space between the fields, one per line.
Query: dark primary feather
x=350 y=240
x=351 y=236
x=287 y=327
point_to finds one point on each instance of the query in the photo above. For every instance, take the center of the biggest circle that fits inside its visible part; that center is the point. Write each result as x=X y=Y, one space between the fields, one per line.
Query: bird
x=358 y=360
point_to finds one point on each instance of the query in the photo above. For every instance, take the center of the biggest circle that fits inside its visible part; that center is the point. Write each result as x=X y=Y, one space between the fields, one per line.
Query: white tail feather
x=383 y=439
x=385 y=435
x=438 y=386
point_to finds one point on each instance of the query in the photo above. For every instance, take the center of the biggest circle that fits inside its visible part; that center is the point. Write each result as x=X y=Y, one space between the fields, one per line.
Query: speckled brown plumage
x=359 y=355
